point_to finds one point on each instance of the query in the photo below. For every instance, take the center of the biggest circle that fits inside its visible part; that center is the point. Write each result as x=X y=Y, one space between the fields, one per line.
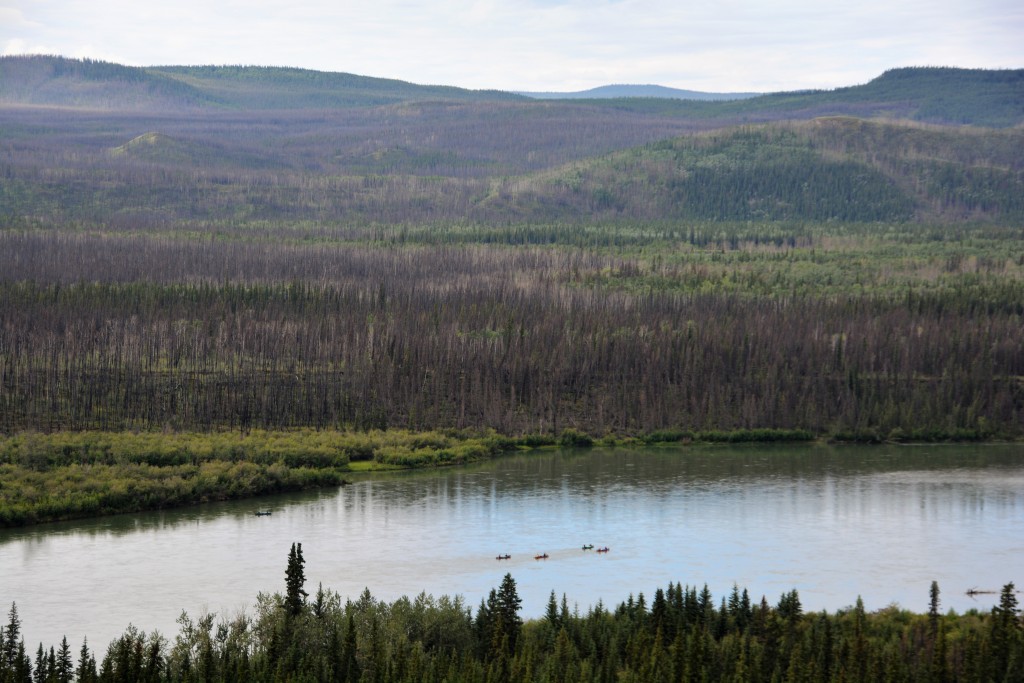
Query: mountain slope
x=285 y=88
x=58 y=81
x=928 y=94
x=936 y=95
x=832 y=168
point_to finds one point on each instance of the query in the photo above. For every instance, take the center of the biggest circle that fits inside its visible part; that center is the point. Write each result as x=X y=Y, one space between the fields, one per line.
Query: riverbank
x=47 y=477
x=69 y=475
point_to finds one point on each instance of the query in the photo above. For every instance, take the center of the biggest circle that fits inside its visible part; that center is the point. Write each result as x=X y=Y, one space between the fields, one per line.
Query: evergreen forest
x=225 y=281
x=681 y=633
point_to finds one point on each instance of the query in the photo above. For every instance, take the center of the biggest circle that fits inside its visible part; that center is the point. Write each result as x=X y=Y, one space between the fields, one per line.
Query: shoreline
x=64 y=476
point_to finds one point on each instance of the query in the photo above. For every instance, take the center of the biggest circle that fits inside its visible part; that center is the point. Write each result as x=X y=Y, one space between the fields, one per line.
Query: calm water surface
x=834 y=523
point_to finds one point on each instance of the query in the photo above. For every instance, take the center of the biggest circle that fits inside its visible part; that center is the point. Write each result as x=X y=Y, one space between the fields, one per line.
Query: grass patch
x=67 y=475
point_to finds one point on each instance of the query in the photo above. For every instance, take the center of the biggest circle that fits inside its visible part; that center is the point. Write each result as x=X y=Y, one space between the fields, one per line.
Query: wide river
x=833 y=522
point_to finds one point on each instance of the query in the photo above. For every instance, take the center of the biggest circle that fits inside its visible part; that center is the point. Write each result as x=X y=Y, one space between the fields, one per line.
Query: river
x=833 y=522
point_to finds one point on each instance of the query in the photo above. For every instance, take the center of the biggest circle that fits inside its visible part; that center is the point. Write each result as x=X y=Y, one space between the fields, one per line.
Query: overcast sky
x=712 y=45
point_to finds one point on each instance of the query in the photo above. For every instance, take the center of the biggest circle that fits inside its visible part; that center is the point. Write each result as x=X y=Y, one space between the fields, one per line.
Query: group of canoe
x=544 y=556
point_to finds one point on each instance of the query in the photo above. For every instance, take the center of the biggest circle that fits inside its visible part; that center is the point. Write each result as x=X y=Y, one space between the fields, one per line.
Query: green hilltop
x=59 y=81
x=287 y=88
x=929 y=94
x=827 y=169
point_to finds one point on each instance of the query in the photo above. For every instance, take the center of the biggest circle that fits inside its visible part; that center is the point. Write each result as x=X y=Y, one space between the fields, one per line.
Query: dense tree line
x=682 y=634
x=129 y=333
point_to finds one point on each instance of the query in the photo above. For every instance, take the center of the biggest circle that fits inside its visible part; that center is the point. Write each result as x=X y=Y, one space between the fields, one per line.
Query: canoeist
x=262 y=513
x=541 y=557
x=603 y=550
x=506 y=556
x=588 y=546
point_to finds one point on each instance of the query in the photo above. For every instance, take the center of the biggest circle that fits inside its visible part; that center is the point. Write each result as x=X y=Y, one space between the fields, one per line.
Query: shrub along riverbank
x=46 y=477
x=65 y=475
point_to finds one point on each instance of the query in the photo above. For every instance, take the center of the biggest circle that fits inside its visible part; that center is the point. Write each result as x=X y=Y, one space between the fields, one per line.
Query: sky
x=536 y=45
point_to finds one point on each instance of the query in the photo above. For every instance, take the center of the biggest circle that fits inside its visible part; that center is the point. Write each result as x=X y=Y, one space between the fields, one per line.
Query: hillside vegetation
x=227 y=281
x=927 y=94
x=835 y=168
x=459 y=260
x=58 y=81
x=444 y=167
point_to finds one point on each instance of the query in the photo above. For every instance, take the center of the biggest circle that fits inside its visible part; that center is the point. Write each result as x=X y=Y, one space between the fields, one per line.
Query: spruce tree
x=22 y=665
x=295 y=579
x=39 y=672
x=85 y=672
x=1006 y=634
x=65 y=664
x=483 y=625
x=51 y=665
x=350 y=671
x=11 y=638
x=551 y=614
x=933 y=608
x=507 y=622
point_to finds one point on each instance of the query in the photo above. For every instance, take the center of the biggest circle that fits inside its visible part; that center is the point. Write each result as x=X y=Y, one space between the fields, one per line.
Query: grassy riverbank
x=46 y=477
x=66 y=475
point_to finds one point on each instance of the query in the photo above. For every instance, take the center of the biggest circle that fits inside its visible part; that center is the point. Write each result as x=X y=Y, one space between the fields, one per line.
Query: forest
x=190 y=256
x=681 y=634
x=226 y=281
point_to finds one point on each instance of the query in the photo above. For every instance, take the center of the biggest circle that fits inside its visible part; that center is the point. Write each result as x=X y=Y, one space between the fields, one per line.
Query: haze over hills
x=248 y=140
x=623 y=90
x=936 y=95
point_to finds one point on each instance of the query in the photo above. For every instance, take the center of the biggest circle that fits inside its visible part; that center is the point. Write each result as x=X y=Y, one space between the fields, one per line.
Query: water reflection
x=835 y=523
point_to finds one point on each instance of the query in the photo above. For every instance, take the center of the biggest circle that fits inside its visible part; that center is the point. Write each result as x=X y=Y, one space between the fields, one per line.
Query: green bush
x=571 y=438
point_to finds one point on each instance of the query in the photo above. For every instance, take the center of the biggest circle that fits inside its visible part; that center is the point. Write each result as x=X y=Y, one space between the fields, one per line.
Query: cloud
x=15 y=47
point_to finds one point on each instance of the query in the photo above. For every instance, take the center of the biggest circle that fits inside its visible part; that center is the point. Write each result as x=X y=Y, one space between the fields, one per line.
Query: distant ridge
x=44 y=80
x=942 y=95
x=619 y=90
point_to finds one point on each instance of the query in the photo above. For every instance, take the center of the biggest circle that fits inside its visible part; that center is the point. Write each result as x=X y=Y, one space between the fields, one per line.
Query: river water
x=833 y=522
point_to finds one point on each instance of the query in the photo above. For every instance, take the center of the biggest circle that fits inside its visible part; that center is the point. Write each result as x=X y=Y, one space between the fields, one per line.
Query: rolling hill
x=930 y=94
x=101 y=142
x=58 y=81
x=826 y=169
